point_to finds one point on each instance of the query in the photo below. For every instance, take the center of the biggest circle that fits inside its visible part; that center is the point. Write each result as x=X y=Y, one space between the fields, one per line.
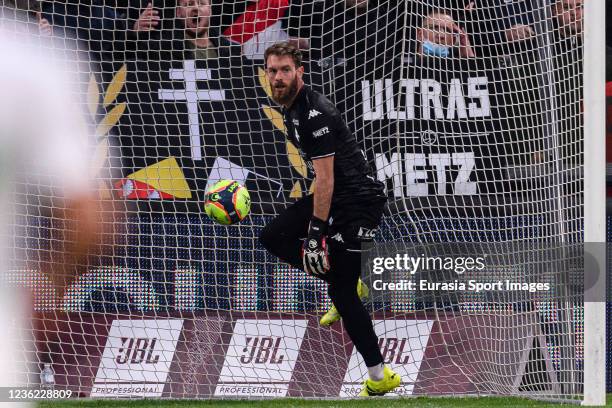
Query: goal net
x=471 y=114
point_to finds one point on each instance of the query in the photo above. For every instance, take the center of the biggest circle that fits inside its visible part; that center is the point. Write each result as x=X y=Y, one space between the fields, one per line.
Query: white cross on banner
x=192 y=95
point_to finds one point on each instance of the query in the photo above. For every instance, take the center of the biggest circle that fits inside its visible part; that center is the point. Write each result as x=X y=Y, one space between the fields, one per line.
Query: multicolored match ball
x=227 y=202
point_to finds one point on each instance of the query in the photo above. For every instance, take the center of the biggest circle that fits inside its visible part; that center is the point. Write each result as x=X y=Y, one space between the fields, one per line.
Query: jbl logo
x=262 y=350
x=393 y=350
x=139 y=350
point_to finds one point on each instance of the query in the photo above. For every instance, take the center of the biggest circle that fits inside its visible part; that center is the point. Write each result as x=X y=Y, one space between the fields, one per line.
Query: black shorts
x=348 y=226
x=350 y=229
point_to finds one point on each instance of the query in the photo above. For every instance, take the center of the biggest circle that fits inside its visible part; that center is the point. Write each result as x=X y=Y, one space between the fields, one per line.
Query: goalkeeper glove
x=314 y=251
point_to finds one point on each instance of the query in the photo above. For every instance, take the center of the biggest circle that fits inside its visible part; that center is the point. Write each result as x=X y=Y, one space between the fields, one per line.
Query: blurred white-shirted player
x=43 y=150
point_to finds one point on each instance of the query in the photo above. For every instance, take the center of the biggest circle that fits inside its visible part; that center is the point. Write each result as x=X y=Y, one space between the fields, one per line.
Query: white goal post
x=595 y=200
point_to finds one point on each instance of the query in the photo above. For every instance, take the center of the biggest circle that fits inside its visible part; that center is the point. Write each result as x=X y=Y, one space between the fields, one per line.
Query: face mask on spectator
x=435 y=50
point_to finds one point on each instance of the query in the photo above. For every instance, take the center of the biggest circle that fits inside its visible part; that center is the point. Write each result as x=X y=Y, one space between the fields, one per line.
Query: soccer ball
x=227 y=202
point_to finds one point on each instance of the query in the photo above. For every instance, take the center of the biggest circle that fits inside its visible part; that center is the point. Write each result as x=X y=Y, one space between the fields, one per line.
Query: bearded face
x=284 y=78
x=283 y=91
x=195 y=15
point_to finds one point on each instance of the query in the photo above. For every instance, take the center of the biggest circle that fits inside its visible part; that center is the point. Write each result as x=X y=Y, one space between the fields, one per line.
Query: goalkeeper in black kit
x=344 y=211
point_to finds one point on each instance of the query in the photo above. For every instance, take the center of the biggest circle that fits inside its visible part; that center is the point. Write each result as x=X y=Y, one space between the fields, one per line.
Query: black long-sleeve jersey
x=316 y=128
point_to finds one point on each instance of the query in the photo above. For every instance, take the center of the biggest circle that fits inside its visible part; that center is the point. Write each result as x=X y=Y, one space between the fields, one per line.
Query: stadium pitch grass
x=420 y=402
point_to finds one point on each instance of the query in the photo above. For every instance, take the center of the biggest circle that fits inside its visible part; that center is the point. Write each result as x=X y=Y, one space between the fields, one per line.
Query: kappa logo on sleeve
x=313 y=113
x=338 y=237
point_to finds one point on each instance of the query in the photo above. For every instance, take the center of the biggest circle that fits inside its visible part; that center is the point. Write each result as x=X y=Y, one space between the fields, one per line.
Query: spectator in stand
x=135 y=21
x=43 y=24
x=92 y=22
x=551 y=116
x=31 y=11
x=147 y=20
x=563 y=33
x=568 y=70
x=568 y=16
x=440 y=36
x=518 y=21
x=492 y=24
x=194 y=16
x=497 y=22
x=183 y=32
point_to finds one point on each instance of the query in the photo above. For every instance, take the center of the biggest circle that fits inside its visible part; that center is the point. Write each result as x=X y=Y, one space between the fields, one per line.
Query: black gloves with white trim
x=314 y=251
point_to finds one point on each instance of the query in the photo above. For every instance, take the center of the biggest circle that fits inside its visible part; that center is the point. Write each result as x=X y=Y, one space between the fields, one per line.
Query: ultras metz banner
x=429 y=129
x=432 y=126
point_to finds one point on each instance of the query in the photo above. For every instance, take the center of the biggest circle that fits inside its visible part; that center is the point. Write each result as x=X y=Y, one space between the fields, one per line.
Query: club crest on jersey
x=313 y=113
x=296 y=122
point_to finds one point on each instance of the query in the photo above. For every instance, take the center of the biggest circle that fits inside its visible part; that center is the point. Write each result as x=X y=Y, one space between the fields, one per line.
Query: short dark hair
x=284 y=48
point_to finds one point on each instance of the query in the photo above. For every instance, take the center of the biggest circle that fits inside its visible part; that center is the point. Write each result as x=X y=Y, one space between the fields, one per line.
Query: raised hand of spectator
x=148 y=20
x=44 y=27
x=519 y=32
x=465 y=48
x=440 y=31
